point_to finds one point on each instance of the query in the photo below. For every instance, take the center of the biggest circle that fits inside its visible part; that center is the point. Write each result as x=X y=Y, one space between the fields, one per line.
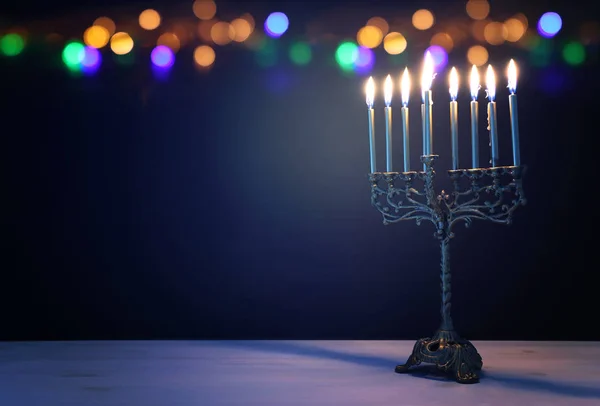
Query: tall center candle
x=474 y=118
x=405 y=90
x=370 y=91
x=454 y=116
x=387 y=93
x=426 y=79
x=512 y=105
x=491 y=110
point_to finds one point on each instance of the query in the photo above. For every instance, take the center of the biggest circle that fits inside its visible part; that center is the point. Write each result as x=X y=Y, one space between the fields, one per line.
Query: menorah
x=491 y=193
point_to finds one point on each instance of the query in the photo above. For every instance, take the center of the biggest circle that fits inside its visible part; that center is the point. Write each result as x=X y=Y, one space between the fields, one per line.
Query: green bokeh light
x=73 y=55
x=266 y=54
x=574 y=53
x=300 y=53
x=12 y=44
x=541 y=52
x=346 y=54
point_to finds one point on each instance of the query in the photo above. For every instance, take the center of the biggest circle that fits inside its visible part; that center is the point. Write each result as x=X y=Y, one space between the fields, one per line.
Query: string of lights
x=206 y=33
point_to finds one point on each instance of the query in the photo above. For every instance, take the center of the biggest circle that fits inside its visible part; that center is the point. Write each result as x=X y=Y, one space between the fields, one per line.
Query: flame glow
x=453 y=83
x=405 y=86
x=512 y=76
x=370 y=91
x=474 y=82
x=490 y=83
x=427 y=76
x=388 y=88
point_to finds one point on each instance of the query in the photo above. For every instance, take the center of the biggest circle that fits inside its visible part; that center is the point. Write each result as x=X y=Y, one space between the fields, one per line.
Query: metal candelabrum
x=491 y=194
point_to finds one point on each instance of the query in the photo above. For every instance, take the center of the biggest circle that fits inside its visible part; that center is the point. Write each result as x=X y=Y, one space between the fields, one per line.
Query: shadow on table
x=311 y=351
x=422 y=371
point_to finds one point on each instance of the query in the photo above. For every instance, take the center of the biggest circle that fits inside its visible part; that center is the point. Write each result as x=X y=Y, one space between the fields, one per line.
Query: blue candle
x=474 y=118
x=426 y=79
x=491 y=110
x=387 y=93
x=370 y=91
x=405 y=89
x=512 y=105
x=454 y=116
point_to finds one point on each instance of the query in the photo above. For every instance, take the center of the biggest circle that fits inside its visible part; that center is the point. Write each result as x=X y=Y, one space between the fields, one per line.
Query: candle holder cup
x=491 y=194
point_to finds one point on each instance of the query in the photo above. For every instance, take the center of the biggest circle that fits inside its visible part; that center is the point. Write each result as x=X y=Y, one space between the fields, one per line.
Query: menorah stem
x=446 y=286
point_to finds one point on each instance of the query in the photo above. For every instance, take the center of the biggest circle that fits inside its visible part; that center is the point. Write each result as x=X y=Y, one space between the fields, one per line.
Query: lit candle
x=474 y=118
x=405 y=90
x=370 y=91
x=387 y=95
x=454 y=116
x=490 y=82
x=512 y=105
x=426 y=79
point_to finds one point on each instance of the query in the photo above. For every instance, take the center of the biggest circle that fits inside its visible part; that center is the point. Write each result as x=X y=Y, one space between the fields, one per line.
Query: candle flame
x=405 y=86
x=388 y=88
x=474 y=82
x=490 y=83
x=512 y=76
x=453 y=83
x=370 y=91
x=427 y=75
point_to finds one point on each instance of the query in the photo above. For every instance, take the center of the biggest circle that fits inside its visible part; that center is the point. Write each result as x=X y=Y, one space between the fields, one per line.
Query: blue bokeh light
x=549 y=24
x=276 y=24
x=91 y=60
x=365 y=59
x=162 y=56
x=439 y=56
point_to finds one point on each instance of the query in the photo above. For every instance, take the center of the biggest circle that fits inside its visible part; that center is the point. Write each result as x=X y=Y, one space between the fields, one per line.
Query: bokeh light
x=423 y=19
x=515 y=29
x=12 y=44
x=300 y=53
x=346 y=54
x=439 y=56
x=266 y=52
x=369 y=36
x=276 y=24
x=574 y=53
x=91 y=60
x=444 y=40
x=121 y=43
x=477 y=55
x=162 y=56
x=73 y=54
x=478 y=28
x=365 y=59
x=204 y=56
x=204 y=28
x=96 y=36
x=169 y=40
x=478 y=9
x=495 y=33
x=379 y=22
x=590 y=32
x=149 y=19
x=222 y=33
x=204 y=9
x=540 y=51
x=549 y=24
x=394 y=43
x=107 y=23
x=242 y=29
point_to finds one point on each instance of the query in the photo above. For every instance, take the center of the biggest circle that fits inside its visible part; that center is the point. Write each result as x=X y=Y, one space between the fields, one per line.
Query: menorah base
x=449 y=353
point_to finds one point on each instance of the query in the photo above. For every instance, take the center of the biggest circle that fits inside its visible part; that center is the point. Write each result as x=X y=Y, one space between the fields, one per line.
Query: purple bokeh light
x=162 y=57
x=365 y=59
x=549 y=24
x=91 y=60
x=276 y=24
x=439 y=56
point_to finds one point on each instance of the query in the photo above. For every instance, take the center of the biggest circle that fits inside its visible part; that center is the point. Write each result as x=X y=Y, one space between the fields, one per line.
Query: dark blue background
x=235 y=204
